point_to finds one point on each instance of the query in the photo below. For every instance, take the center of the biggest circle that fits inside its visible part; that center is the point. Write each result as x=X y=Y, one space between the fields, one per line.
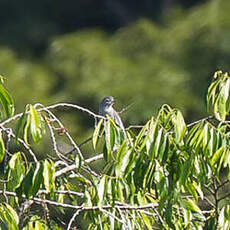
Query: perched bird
x=106 y=108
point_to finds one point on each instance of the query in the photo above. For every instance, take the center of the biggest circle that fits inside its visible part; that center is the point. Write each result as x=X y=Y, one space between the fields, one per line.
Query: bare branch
x=68 y=105
x=134 y=127
x=73 y=166
x=73 y=218
x=91 y=208
x=196 y=122
x=20 y=141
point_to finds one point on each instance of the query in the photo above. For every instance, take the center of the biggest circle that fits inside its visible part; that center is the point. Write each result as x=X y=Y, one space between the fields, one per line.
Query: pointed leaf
x=6 y=101
x=96 y=133
x=217 y=155
x=2 y=148
x=35 y=124
x=101 y=190
x=20 y=125
x=191 y=205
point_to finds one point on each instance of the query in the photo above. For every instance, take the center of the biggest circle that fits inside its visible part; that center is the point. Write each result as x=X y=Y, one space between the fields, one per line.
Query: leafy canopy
x=166 y=175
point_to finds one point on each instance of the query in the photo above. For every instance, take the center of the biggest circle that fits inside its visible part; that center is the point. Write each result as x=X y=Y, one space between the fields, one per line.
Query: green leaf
x=217 y=155
x=146 y=221
x=219 y=108
x=8 y=216
x=191 y=205
x=206 y=136
x=49 y=176
x=101 y=190
x=164 y=149
x=157 y=143
x=19 y=126
x=2 y=148
x=6 y=102
x=16 y=171
x=37 y=179
x=123 y=160
x=192 y=190
x=109 y=139
x=141 y=134
x=28 y=120
x=96 y=133
x=153 y=130
x=35 y=124
x=186 y=170
x=27 y=183
x=78 y=162
x=180 y=126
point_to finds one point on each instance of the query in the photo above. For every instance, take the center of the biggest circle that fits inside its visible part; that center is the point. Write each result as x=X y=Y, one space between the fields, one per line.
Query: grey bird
x=106 y=108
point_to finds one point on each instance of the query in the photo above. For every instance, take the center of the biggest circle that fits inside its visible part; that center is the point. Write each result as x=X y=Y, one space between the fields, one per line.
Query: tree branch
x=73 y=166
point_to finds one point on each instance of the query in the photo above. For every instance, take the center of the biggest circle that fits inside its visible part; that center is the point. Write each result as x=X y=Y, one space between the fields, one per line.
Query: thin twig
x=134 y=127
x=203 y=119
x=61 y=156
x=110 y=214
x=20 y=141
x=55 y=106
x=91 y=208
x=66 y=192
x=73 y=166
x=73 y=218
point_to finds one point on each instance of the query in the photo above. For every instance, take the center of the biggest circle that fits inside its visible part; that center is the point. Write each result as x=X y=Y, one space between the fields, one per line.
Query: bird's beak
x=113 y=102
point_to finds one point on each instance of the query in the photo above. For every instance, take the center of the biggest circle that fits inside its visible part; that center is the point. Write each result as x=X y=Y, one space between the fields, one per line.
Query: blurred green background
x=144 y=53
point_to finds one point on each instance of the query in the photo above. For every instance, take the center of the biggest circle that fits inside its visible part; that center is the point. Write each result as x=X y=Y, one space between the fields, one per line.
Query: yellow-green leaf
x=2 y=148
x=96 y=133
x=6 y=101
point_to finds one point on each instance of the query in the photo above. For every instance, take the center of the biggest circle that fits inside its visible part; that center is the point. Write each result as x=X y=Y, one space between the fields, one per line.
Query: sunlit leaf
x=96 y=133
x=9 y=216
x=191 y=205
x=35 y=124
x=217 y=155
x=123 y=160
x=6 y=102
x=78 y=162
x=48 y=176
x=28 y=121
x=2 y=148
x=180 y=126
x=101 y=190
x=146 y=221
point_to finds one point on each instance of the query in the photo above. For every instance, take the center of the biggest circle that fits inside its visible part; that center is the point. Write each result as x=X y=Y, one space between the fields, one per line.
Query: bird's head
x=108 y=101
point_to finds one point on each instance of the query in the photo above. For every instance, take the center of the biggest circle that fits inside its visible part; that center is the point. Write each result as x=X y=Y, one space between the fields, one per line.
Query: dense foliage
x=166 y=175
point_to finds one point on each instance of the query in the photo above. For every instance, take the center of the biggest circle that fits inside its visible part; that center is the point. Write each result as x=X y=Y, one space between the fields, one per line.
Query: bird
x=106 y=108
